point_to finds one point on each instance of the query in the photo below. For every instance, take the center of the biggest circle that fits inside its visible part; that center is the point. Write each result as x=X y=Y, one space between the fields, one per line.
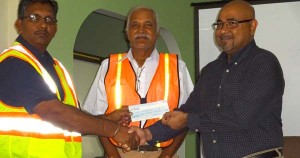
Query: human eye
x=134 y=25
x=232 y=23
x=34 y=18
x=148 y=25
x=50 y=20
x=218 y=25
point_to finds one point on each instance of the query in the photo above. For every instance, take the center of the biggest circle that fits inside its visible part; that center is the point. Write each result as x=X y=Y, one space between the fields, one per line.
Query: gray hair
x=139 y=8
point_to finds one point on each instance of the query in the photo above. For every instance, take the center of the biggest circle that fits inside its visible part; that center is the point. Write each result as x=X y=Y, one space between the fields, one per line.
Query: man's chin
x=226 y=47
x=43 y=40
x=141 y=46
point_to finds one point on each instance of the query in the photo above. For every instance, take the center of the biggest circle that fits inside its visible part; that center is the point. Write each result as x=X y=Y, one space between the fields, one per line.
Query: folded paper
x=148 y=110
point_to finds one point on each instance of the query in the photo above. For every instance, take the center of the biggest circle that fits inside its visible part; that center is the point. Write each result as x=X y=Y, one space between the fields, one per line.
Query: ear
x=18 y=26
x=254 y=24
x=158 y=33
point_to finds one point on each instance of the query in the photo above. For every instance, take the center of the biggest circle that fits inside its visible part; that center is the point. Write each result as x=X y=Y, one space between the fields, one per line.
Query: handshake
x=129 y=138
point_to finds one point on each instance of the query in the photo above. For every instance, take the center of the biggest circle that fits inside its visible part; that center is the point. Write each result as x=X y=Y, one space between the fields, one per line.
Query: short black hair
x=25 y=3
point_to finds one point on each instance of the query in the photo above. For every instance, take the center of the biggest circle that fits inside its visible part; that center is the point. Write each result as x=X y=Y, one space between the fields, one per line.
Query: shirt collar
x=154 y=56
x=240 y=54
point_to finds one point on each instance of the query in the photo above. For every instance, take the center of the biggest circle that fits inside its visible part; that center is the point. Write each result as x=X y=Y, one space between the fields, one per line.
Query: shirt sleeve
x=21 y=85
x=96 y=100
x=186 y=84
x=159 y=136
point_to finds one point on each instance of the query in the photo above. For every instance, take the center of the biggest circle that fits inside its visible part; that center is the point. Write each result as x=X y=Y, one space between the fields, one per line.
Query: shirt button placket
x=214 y=140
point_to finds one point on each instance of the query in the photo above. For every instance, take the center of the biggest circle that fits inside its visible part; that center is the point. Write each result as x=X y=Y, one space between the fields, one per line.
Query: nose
x=141 y=29
x=42 y=24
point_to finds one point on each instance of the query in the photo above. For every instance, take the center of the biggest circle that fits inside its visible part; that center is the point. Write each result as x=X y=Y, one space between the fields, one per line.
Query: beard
x=226 y=42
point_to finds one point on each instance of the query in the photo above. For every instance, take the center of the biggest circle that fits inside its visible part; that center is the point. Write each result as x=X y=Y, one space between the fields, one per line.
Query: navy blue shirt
x=22 y=85
x=236 y=106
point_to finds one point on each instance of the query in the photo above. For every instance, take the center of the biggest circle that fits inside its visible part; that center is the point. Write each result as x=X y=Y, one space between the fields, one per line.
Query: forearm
x=109 y=149
x=72 y=119
x=158 y=136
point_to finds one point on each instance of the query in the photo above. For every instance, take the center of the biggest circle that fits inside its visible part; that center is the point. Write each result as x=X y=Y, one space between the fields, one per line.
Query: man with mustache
x=237 y=101
x=39 y=115
x=142 y=73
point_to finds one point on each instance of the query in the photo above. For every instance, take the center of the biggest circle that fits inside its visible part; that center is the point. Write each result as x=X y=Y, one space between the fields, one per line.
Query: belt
x=147 y=148
x=269 y=154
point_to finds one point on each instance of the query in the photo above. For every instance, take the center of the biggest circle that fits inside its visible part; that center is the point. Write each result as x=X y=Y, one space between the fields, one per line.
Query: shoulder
x=14 y=65
x=182 y=66
x=21 y=79
x=105 y=61
x=265 y=56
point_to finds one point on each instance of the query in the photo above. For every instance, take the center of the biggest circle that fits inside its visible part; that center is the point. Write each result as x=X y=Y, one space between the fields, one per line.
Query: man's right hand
x=175 y=119
x=144 y=134
x=128 y=141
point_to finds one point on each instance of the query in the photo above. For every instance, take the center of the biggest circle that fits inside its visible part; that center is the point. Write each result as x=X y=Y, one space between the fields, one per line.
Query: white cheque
x=149 y=110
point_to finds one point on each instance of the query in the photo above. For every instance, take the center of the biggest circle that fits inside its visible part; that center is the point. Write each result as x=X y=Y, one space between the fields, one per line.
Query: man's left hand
x=121 y=116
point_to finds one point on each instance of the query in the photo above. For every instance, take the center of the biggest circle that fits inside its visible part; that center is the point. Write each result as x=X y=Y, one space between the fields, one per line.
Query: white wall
x=3 y=28
x=8 y=16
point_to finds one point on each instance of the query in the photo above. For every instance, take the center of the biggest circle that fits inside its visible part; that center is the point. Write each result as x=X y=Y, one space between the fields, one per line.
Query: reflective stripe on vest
x=67 y=84
x=120 y=88
x=36 y=137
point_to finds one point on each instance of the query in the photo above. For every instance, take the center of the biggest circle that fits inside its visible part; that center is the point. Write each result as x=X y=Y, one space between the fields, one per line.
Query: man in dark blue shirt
x=237 y=102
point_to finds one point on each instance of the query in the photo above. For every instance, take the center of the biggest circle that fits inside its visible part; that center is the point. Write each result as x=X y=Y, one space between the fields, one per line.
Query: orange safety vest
x=120 y=83
x=27 y=135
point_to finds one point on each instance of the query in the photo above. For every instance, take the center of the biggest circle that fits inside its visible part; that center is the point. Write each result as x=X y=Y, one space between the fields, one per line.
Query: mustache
x=142 y=35
x=225 y=37
x=41 y=32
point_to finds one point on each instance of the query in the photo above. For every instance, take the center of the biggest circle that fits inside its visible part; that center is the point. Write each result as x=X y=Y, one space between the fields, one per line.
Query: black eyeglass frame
x=36 y=18
x=215 y=25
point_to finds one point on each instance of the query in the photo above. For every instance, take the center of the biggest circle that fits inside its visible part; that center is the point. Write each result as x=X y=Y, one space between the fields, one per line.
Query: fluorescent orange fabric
x=165 y=80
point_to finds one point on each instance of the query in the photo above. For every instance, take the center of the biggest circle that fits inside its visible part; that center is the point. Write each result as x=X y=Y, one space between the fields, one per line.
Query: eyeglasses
x=35 y=18
x=230 y=24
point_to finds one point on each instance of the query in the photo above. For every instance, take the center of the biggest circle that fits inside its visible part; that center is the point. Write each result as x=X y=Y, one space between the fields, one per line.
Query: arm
x=122 y=117
x=154 y=134
x=72 y=119
x=109 y=149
